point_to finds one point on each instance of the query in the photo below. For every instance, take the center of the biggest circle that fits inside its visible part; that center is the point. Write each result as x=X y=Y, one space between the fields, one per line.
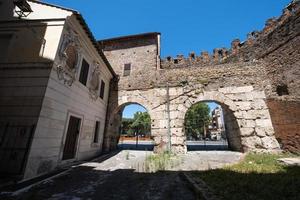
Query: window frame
x=96 y=131
x=125 y=71
x=88 y=71
x=102 y=89
x=69 y=114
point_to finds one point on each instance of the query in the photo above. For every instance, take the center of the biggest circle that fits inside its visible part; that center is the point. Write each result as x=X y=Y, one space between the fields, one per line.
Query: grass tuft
x=159 y=162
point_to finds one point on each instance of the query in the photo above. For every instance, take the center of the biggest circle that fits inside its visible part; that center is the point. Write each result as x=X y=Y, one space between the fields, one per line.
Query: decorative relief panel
x=94 y=81
x=69 y=56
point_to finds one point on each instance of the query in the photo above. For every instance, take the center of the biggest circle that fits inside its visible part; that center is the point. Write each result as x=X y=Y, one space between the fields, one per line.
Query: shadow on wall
x=24 y=74
x=113 y=125
x=88 y=182
x=232 y=130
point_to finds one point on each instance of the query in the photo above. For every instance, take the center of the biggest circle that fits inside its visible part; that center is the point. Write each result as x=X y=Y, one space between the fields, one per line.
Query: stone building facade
x=250 y=81
x=54 y=91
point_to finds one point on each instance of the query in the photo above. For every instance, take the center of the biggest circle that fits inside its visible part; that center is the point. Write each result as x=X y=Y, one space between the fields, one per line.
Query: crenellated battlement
x=257 y=44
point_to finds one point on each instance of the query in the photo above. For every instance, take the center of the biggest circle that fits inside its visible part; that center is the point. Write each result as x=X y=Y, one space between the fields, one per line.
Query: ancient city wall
x=285 y=118
x=283 y=69
x=247 y=115
x=241 y=79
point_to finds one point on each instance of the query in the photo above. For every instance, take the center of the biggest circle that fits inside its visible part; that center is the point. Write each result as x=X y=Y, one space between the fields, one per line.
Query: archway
x=135 y=129
x=129 y=128
x=211 y=125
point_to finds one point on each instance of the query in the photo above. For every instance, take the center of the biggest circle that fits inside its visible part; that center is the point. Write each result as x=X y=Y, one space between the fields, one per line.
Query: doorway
x=71 y=138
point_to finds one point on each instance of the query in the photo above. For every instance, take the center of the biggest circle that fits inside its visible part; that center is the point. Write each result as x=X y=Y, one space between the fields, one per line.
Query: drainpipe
x=169 y=125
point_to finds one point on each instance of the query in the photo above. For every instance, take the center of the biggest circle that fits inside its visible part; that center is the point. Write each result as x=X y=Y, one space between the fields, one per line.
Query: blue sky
x=185 y=25
x=129 y=110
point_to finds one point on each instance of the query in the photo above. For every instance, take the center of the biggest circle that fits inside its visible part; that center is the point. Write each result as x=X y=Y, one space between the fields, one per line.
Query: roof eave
x=87 y=30
x=94 y=42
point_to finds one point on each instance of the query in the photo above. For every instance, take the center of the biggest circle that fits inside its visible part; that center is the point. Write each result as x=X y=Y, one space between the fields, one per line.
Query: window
x=96 y=133
x=71 y=56
x=5 y=39
x=127 y=69
x=102 y=89
x=282 y=90
x=84 y=72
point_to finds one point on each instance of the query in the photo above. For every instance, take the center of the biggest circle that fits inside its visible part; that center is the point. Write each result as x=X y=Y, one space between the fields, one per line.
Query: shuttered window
x=102 y=89
x=96 y=133
x=84 y=72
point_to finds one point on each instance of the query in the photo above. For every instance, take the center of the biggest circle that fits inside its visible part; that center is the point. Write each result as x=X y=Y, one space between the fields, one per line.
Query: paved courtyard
x=118 y=176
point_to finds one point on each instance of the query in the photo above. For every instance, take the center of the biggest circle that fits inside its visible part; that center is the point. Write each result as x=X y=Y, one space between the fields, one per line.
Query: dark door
x=15 y=141
x=71 y=138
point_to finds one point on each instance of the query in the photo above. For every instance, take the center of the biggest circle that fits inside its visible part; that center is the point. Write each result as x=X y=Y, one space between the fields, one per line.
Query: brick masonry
x=286 y=122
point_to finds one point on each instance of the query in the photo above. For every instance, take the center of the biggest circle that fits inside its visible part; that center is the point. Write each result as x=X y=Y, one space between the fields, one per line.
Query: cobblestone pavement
x=116 y=178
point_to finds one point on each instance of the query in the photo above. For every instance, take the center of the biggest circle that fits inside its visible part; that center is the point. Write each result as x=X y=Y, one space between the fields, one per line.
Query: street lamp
x=24 y=8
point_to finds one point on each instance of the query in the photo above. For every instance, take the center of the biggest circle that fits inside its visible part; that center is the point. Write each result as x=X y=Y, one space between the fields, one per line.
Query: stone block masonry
x=243 y=80
x=249 y=128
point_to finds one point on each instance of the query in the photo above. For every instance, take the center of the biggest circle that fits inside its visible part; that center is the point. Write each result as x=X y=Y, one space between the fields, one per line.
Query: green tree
x=197 y=119
x=125 y=126
x=141 y=123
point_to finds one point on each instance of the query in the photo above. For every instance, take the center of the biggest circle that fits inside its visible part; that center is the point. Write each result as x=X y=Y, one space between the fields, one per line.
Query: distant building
x=216 y=129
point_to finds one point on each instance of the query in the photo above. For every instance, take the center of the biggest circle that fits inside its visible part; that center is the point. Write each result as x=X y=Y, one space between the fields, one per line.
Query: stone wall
x=283 y=69
x=241 y=79
x=141 y=52
x=247 y=116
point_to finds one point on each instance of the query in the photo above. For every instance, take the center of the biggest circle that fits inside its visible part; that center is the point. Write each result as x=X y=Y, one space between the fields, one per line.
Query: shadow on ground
x=139 y=147
x=232 y=185
x=207 y=147
x=86 y=182
x=150 y=147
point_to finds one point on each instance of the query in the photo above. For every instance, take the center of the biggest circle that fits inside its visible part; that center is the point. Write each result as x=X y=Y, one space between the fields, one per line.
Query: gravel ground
x=205 y=160
x=116 y=178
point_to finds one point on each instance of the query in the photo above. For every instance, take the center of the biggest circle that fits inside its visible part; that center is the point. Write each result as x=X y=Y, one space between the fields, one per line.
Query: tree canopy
x=196 y=118
x=140 y=124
